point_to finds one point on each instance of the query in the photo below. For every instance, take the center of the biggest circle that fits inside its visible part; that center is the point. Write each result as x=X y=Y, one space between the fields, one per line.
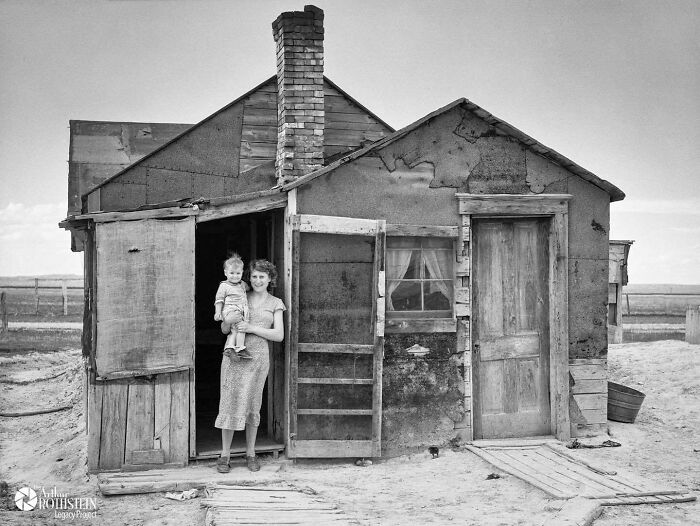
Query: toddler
x=231 y=307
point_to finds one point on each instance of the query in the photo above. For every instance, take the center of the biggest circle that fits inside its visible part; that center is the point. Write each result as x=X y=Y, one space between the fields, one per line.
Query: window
x=419 y=277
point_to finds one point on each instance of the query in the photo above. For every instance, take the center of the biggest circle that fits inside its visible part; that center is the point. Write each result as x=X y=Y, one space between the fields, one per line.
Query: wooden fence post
x=36 y=293
x=692 y=325
x=64 y=290
x=3 y=313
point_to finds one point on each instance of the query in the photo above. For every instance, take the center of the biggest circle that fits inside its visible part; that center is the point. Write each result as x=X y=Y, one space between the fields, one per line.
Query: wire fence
x=34 y=299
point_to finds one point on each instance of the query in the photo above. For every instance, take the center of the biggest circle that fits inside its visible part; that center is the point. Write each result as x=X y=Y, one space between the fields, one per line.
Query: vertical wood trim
x=94 y=420
x=294 y=338
x=193 y=414
x=466 y=250
x=93 y=298
x=161 y=428
x=378 y=326
x=189 y=375
x=559 y=326
x=140 y=417
x=289 y=211
x=271 y=375
x=179 y=416
x=618 y=310
x=113 y=425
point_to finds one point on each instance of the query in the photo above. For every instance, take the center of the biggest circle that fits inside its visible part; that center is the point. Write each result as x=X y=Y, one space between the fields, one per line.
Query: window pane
x=398 y=263
x=403 y=264
x=438 y=264
x=438 y=295
x=404 y=295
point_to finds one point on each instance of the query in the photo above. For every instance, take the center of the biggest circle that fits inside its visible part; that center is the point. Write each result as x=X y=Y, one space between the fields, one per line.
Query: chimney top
x=300 y=98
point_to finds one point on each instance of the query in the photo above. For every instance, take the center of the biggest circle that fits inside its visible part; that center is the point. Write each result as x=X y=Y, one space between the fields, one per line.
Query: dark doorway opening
x=252 y=236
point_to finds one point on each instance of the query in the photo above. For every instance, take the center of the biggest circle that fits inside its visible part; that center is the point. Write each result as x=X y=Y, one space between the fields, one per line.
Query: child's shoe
x=242 y=352
x=231 y=353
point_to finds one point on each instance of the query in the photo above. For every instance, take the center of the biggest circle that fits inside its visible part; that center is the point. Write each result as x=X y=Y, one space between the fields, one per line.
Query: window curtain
x=438 y=264
x=397 y=263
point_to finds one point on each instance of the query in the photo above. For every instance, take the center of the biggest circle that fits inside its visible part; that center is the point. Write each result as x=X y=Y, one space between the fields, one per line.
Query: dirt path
x=50 y=451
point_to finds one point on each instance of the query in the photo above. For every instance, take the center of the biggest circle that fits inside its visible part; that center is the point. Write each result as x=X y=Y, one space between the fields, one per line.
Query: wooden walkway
x=564 y=477
x=269 y=505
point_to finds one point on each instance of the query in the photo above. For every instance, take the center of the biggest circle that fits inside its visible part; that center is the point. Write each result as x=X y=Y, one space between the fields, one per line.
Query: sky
x=612 y=85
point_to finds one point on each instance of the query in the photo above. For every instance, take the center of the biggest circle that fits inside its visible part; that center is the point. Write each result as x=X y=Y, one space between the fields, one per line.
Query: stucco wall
x=413 y=181
x=422 y=396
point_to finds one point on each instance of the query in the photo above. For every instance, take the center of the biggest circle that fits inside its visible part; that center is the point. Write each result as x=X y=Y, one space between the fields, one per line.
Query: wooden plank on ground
x=580 y=461
x=571 y=480
x=265 y=505
x=585 y=473
x=616 y=484
x=565 y=481
x=548 y=469
x=513 y=442
x=527 y=477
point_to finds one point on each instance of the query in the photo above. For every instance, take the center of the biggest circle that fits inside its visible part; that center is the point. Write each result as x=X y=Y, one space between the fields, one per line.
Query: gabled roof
x=501 y=126
x=221 y=110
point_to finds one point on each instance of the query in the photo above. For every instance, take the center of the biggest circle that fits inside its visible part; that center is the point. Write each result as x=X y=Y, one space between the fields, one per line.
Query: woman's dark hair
x=263 y=265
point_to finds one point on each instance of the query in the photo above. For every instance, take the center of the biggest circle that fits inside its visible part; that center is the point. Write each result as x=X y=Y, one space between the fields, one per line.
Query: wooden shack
x=617 y=278
x=445 y=282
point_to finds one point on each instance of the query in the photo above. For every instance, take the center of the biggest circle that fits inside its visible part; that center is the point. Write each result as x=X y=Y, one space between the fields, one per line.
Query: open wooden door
x=337 y=337
x=145 y=297
x=511 y=328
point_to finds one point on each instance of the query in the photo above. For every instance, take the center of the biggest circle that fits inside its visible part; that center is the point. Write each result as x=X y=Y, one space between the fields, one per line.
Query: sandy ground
x=661 y=448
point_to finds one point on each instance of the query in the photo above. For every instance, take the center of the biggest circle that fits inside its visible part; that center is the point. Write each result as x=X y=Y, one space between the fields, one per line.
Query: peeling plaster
x=452 y=156
x=543 y=175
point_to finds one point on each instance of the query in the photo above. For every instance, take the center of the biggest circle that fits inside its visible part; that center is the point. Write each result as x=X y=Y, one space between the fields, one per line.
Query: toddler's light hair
x=234 y=261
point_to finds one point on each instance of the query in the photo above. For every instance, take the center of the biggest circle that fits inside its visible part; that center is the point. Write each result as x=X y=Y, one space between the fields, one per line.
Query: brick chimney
x=300 y=111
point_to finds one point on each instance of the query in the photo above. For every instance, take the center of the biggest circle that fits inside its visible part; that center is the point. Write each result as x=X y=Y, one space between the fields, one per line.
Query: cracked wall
x=422 y=396
x=413 y=181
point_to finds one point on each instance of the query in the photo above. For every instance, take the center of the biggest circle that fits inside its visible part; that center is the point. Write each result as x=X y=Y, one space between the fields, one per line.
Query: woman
x=242 y=381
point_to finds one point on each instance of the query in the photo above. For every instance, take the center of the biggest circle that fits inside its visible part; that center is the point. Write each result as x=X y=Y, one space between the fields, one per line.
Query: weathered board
x=145 y=320
x=336 y=375
x=589 y=395
x=99 y=150
x=137 y=423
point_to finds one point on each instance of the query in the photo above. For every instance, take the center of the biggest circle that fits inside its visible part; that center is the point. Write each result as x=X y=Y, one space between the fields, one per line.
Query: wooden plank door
x=337 y=337
x=511 y=328
x=144 y=297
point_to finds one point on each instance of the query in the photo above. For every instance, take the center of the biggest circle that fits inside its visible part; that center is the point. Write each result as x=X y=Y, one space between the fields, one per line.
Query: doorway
x=252 y=236
x=511 y=329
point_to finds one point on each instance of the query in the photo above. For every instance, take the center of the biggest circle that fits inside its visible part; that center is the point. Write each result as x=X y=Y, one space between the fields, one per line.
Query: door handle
x=476 y=347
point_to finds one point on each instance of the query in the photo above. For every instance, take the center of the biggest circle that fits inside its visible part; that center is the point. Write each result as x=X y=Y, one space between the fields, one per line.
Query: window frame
x=399 y=316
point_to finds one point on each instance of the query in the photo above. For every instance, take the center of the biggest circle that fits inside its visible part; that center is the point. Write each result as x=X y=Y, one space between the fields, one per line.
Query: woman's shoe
x=222 y=465
x=253 y=463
